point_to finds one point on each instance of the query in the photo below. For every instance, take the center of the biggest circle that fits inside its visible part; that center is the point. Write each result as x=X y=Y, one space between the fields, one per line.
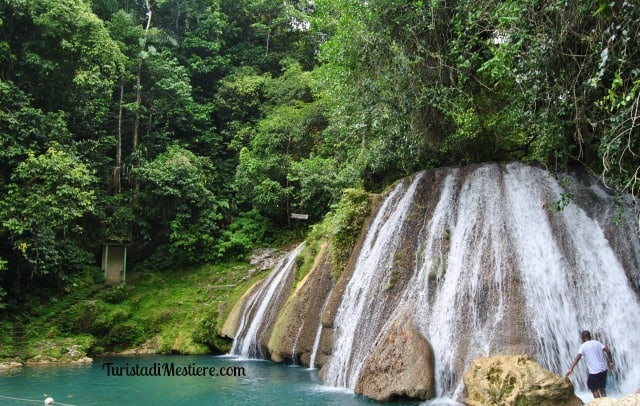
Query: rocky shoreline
x=42 y=360
x=73 y=355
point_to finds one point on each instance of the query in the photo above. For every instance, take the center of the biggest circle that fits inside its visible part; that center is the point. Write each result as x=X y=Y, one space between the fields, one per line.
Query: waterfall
x=261 y=308
x=295 y=344
x=573 y=282
x=496 y=269
x=457 y=304
x=316 y=346
x=358 y=317
x=316 y=340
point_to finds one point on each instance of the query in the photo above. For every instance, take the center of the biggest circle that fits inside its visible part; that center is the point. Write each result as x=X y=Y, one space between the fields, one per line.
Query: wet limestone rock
x=515 y=380
x=10 y=363
x=399 y=367
x=232 y=323
x=295 y=328
x=261 y=260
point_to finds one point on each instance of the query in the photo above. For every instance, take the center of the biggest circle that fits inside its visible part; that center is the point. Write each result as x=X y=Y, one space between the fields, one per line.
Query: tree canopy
x=192 y=130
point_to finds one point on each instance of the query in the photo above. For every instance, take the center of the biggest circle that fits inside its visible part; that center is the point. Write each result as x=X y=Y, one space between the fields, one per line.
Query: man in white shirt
x=594 y=352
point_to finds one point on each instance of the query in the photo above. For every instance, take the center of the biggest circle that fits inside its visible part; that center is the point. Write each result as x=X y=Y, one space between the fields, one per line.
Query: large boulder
x=515 y=380
x=399 y=367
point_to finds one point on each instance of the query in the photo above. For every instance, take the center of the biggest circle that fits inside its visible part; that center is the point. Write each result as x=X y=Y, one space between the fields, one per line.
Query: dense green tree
x=238 y=102
x=410 y=84
x=617 y=79
x=262 y=33
x=198 y=27
x=377 y=68
x=178 y=206
x=61 y=54
x=43 y=214
x=25 y=129
x=284 y=166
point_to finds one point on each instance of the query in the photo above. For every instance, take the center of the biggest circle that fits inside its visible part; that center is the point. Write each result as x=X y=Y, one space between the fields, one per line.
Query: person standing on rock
x=594 y=352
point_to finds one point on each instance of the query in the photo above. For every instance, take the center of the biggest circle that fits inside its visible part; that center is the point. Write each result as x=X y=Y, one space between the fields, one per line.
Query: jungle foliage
x=194 y=129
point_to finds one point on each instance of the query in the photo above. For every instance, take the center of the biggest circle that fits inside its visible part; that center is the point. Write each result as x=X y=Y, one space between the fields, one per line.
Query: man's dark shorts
x=597 y=381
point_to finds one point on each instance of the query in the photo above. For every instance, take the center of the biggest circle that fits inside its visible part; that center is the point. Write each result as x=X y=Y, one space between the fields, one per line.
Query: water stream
x=260 y=309
x=295 y=344
x=316 y=340
x=358 y=319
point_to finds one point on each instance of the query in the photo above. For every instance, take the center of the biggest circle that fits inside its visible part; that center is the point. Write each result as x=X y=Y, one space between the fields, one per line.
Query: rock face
x=263 y=259
x=629 y=400
x=295 y=329
x=230 y=326
x=400 y=366
x=515 y=380
x=10 y=363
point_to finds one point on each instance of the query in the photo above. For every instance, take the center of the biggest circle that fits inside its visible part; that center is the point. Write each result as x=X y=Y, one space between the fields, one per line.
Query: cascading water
x=316 y=346
x=357 y=320
x=496 y=269
x=295 y=344
x=316 y=340
x=583 y=285
x=461 y=272
x=261 y=310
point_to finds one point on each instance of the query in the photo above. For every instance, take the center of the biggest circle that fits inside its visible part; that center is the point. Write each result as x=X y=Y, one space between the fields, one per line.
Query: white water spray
x=573 y=281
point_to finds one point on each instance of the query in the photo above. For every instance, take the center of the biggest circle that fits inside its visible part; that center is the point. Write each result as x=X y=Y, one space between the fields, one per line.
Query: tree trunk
x=136 y=120
x=117 y=168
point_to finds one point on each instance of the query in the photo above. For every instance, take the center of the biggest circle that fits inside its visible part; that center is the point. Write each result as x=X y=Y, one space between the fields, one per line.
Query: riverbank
x=169 y=312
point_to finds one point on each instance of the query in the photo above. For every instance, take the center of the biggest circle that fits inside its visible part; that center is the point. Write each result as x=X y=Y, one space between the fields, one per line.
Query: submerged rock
x=10 y=363
x=399 y=367
x=516 y=380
